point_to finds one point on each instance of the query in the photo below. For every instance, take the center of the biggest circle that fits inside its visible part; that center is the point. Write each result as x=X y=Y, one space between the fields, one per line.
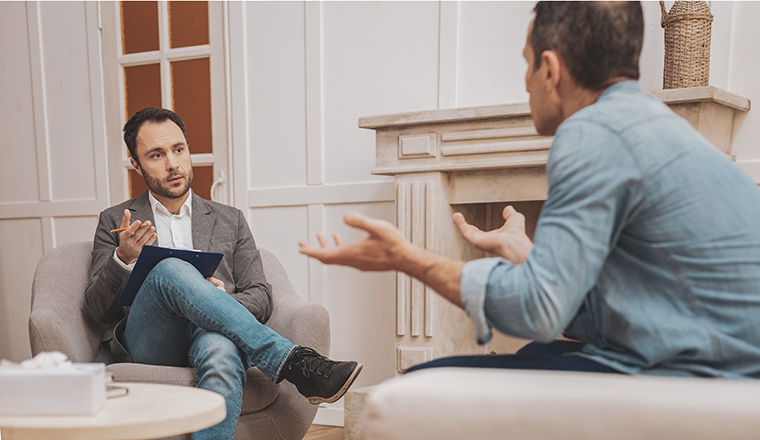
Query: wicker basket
x=688 y=27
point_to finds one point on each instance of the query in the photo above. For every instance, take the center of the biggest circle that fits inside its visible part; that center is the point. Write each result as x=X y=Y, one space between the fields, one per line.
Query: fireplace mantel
x=502 y=136
x=470 y=160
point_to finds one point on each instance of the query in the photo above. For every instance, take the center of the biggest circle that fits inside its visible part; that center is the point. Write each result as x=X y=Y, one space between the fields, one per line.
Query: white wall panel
x=18 y=180
x=67 y=92
x=361 y=304
x=21 y=249
x=72 y=229
x=51 y=125
x=379 y=57
x=278 y=230
x=720 y=48
x=744 y=64
x=492 y=67
x=277 y=84
x=653 y=52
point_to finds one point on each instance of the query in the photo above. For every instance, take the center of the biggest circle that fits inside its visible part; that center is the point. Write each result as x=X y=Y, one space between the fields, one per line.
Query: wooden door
x=167 y=54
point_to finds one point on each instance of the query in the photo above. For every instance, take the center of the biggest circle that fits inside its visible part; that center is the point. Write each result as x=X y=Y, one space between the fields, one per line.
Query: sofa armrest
x=455 y=403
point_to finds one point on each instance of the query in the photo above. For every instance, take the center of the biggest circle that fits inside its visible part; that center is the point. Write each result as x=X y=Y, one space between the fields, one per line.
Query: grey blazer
x=215 y=228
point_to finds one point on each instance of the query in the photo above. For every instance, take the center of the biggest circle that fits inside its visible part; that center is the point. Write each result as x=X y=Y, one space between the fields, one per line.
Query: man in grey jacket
x=178 y=318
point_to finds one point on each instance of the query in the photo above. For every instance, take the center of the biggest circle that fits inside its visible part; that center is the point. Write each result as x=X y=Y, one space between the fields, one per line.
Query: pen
x=118 y=230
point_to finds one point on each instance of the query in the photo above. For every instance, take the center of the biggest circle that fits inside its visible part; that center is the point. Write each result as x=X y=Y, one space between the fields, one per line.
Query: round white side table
x=147 y=411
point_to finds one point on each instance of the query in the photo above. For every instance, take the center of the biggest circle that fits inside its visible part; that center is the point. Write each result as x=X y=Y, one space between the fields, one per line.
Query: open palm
x=509 y=241
x=381 y=249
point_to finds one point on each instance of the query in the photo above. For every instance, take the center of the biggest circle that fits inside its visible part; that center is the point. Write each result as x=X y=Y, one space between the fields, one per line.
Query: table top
x=147 y=411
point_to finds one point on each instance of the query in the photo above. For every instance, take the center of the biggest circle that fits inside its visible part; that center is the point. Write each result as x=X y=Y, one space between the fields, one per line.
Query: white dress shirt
x=174 y=231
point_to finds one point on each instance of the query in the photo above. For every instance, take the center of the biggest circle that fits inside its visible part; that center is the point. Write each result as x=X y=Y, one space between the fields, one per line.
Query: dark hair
x=598 y=41
x=150 y=114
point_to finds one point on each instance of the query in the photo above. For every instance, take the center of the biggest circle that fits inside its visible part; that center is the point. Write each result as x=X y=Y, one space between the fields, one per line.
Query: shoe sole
x=316 y=400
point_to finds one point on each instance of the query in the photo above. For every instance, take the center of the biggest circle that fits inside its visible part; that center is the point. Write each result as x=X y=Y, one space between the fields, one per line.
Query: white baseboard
x=329 y=416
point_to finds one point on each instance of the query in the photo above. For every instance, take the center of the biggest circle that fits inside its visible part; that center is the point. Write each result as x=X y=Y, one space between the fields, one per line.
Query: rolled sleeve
x=473 y=284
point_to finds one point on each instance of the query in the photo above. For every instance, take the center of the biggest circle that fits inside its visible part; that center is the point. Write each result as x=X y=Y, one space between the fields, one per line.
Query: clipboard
x=205 y=262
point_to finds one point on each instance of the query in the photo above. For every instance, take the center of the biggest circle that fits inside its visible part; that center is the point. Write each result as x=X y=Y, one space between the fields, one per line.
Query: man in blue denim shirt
x=648 y=246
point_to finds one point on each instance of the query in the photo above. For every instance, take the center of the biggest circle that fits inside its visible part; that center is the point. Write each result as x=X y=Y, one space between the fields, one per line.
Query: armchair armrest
x=294 y=318
x=56 y=321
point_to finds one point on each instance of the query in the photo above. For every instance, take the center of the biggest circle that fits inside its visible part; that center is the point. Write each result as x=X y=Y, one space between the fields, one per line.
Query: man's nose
x=171 y=162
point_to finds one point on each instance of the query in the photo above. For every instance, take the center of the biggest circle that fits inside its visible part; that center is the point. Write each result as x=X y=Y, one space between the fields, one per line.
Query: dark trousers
x=534 y=356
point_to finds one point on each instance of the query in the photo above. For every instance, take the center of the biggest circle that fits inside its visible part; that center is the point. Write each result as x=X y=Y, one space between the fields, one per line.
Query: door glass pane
x=188 y=24
x=139 y=26
x=137 y=184
x=191 y=99
x=203 y=177
x=142 y=87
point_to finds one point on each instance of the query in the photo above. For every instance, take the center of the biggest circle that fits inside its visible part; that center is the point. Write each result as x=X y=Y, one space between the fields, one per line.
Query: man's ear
x=136 y=166
x=552 y=73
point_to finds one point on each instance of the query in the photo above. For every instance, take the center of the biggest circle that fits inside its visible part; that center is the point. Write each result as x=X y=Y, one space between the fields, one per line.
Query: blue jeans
x=180 y=319
x=534 y=356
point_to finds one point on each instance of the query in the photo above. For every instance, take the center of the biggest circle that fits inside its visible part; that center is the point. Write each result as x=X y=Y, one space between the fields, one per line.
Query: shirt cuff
x=126 y=266
x=472 y=291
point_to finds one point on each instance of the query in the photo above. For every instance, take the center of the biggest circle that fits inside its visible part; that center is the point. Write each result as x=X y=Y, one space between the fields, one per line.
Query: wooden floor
x=319 y=432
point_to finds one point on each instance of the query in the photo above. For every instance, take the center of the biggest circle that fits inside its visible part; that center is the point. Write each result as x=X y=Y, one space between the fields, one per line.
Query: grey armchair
x=269 y=411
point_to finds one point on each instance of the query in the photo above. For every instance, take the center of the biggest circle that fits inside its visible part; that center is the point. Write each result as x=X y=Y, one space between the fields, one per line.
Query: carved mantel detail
x=478 y=159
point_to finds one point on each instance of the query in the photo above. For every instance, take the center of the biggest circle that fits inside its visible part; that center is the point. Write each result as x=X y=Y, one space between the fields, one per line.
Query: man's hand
x=218 y=283
x=383 y=249
x=509 y=242
x=386 y=249
x=132 y=240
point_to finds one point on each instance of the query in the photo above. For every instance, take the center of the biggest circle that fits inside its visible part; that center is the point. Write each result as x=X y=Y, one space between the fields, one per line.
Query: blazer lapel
x=203 y=223
x=140 y=209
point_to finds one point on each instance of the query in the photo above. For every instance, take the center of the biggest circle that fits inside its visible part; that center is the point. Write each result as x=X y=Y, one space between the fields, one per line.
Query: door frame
x=113 y=80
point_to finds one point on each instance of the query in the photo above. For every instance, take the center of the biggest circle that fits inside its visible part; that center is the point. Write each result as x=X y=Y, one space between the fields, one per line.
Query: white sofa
x=459 y=403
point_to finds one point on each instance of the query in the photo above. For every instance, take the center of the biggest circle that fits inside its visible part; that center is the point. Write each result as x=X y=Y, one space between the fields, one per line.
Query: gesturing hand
x=383 y=249
x=509 y=242
x=132 y=240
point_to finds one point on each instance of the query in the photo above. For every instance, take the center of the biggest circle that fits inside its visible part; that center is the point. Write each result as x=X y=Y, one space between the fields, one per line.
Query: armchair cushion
x=259 y=391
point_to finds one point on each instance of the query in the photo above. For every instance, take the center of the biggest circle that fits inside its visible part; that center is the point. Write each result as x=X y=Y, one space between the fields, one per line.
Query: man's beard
x=159 y=187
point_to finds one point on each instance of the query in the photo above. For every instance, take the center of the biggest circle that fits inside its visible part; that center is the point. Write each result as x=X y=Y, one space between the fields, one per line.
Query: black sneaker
x=318 y=378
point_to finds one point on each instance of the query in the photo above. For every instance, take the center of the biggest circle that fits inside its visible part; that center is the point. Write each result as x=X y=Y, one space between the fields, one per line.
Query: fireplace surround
x=476 y=161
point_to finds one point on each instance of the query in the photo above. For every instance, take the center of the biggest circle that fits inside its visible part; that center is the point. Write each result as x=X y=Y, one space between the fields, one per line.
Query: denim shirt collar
x=623 y=86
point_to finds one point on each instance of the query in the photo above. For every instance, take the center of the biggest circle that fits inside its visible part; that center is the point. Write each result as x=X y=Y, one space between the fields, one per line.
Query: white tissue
x=44 y=360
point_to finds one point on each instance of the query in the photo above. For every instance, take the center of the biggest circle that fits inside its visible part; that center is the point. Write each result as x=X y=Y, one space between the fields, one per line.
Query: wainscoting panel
x=55 y=182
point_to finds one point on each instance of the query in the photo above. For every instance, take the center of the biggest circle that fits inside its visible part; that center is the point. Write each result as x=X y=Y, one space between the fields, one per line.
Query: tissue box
x=77 y=389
